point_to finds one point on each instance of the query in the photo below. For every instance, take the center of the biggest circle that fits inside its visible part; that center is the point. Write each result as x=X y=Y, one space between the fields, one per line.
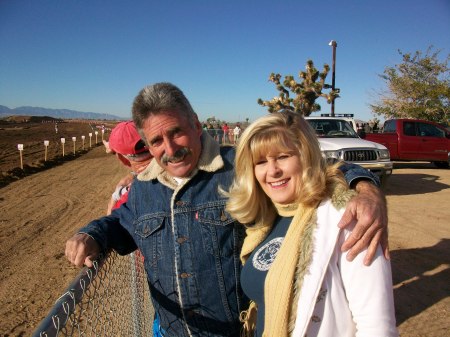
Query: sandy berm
x=38 y=213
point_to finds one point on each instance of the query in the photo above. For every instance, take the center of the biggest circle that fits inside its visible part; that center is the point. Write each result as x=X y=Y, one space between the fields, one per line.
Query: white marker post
x=82 y=139
x=90 y=139
x=46 y=142
x=103 y=133
x=63 y=141
x=96 y=133
x=20 y=148
x=74 y=140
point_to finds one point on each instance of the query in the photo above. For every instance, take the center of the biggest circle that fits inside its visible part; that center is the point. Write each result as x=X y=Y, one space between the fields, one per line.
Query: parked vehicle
x=415 y=140
x=349 y=118
x=339 y=140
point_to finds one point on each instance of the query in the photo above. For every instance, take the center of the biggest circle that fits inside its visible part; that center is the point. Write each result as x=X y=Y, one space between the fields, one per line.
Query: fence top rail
x=65 y=305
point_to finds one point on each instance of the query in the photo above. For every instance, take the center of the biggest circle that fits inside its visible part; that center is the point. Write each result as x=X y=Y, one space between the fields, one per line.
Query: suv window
x=332 y=128
x=429 y=130
x=409 y=128
x=390 y=126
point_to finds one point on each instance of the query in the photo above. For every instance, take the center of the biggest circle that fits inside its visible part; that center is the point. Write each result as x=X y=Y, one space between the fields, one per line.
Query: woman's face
x=279 y=175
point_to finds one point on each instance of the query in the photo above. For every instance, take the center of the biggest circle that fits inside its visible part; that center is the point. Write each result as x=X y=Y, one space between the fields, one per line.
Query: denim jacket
x=190 y=244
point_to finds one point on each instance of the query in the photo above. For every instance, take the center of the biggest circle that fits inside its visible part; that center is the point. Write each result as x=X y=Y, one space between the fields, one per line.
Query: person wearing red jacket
x=131 y=150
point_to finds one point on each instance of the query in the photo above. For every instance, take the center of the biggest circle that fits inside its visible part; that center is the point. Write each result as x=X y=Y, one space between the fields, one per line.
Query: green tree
x=306 y=92
x=419 y=87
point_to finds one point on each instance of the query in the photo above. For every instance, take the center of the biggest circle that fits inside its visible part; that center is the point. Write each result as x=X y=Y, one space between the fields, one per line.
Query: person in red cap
x=131 y=150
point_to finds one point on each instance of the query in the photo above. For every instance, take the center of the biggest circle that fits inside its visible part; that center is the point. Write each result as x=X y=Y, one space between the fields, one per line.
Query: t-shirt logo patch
x=264 y=256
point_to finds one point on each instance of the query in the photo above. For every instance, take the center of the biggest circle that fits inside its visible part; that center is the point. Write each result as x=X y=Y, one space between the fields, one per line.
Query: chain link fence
x=110 y=299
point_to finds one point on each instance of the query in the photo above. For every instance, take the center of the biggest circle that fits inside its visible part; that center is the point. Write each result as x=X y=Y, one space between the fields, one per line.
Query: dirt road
x=39 y=212
x=37 y=215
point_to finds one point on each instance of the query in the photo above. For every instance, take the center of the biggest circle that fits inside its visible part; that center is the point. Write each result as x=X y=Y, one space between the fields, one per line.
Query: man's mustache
x=178 y=156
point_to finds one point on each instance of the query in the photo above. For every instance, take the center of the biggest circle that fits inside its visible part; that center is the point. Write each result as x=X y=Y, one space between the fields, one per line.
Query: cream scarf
x=280 y=295
x=279 y=292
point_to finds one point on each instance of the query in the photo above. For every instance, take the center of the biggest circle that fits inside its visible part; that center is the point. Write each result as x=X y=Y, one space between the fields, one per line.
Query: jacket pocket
x=214 y=216
x=148 y=232
x=217 y=228
x=147 y=226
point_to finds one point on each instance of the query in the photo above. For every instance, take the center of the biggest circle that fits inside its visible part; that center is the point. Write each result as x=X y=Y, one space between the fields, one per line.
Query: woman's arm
x=369 y=294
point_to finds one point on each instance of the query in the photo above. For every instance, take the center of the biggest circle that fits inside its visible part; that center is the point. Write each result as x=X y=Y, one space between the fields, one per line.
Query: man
x=236 y=132
x=226 y=130
x=131 y=150
x=190 y=244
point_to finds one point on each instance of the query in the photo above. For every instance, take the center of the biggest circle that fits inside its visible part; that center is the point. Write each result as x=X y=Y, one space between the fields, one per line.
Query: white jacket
x=341 y=298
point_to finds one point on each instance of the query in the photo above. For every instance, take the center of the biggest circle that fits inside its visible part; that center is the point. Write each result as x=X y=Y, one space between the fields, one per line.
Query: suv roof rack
x=337 y=115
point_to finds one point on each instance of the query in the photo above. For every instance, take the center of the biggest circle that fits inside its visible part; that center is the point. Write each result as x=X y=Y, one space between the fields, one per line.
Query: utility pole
x=333 y=75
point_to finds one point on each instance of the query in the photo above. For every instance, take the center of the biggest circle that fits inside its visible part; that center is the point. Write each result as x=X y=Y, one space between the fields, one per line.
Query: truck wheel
x=441 y=164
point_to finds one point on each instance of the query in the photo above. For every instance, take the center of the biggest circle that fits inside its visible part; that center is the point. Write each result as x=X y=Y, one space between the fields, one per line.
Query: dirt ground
x=39 y=211
x=31 y=132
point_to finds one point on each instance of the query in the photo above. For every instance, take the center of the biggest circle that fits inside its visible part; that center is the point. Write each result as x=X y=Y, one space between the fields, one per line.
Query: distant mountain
x=56 y=113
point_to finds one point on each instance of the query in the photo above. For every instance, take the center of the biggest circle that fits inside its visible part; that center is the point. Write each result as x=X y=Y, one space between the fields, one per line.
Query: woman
x=294 y=272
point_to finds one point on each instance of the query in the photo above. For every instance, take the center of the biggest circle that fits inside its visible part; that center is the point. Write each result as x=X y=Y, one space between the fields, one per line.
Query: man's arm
x=99 y=236
x=369 y=209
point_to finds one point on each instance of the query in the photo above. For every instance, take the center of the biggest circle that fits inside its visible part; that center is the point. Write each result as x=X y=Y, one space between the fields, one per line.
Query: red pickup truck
x=414 y=139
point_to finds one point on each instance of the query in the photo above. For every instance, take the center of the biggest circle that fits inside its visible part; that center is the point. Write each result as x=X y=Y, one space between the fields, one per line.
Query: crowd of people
x=268 y=214
x=222 y=133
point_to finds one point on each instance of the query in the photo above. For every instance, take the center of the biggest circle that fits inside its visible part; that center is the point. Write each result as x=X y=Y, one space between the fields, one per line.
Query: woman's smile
x=279 y=175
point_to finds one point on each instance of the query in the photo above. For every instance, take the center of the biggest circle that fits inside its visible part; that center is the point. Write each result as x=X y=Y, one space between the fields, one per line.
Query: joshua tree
x=306 y=92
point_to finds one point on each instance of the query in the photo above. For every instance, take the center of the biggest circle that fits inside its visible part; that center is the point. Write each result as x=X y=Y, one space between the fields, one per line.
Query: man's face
x=174 y=142
x=139 y=166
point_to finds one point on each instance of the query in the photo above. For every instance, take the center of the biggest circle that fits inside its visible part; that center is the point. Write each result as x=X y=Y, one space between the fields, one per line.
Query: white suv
x=339 y=140
x=347 y=117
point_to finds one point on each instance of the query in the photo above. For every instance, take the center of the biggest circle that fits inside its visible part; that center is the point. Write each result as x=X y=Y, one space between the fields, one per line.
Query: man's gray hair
x=157 y=98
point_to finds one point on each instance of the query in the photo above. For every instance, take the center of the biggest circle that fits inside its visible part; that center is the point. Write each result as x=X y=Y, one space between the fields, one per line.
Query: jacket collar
x=210 y=161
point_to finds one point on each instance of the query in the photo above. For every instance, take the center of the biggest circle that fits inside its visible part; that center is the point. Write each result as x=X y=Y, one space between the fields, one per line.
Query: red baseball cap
x=125 y=140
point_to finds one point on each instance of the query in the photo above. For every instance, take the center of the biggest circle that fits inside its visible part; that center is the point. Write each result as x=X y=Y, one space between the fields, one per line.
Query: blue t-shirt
x=258 y=264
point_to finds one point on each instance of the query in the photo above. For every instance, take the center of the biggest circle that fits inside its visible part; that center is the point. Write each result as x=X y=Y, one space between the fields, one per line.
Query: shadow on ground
x=430 y=278
x=413 y=183
x=416 y=165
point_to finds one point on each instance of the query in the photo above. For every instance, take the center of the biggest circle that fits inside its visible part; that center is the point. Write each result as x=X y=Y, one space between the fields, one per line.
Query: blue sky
x=95 y=56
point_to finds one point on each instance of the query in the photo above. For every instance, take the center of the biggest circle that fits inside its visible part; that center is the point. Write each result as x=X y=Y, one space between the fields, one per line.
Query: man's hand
x=82 y=249
x=370 y=210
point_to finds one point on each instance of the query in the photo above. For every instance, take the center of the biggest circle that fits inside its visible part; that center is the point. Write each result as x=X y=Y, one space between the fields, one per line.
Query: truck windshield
x=332 y=128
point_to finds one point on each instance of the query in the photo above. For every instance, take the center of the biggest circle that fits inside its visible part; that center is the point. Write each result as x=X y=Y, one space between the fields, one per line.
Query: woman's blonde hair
x=280 y=132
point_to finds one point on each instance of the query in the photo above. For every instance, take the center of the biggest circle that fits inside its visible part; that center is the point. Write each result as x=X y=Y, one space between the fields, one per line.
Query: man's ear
x=199 y=128
x=197 y=124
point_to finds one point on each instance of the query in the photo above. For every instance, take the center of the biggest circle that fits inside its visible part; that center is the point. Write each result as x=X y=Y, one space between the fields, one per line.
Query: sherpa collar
x=209 y=161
